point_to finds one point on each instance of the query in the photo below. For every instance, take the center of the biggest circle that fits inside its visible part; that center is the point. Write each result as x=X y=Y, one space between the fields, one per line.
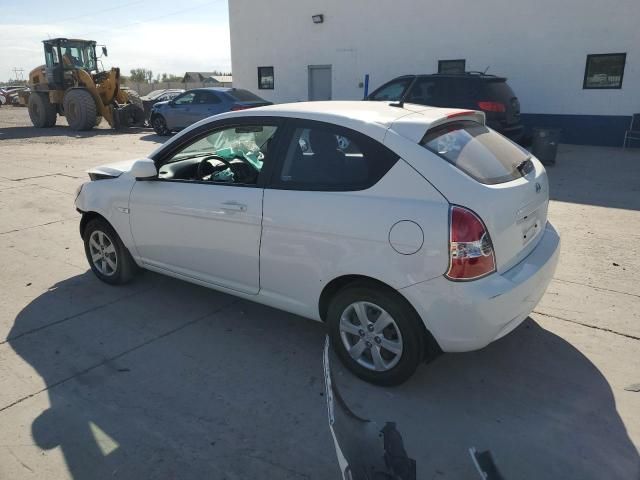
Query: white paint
x=540 y=45
x=285 y=246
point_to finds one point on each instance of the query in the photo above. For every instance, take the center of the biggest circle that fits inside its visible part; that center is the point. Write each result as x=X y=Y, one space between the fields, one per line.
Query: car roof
x=374 y=119
x=466 y=75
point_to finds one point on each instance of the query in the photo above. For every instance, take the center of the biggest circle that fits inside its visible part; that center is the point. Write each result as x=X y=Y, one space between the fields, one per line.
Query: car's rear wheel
x=376 y=333
x=108 y=258
x=159 y=125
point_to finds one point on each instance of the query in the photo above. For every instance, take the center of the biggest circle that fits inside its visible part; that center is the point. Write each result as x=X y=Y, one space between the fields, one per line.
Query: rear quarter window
x=481 y=153
x=244 y=96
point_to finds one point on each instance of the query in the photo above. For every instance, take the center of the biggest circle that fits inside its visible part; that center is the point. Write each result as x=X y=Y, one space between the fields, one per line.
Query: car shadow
x=22 y=132
x=154 y=137
x=163 y=379
x=171 y=380
x=531 y=398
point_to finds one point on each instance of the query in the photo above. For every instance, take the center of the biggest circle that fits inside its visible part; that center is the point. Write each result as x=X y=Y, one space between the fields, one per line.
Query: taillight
x=492 y=106
x=471 y=253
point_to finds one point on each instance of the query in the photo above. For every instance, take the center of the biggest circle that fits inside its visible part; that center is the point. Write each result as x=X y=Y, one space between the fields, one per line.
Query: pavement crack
x=42 y=176
x=597 y=288
x=36 y=226
x=20 y=461
x=120 y=355
x=603 y=329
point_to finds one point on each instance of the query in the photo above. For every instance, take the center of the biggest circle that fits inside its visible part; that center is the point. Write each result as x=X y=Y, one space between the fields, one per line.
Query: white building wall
x=539 y=45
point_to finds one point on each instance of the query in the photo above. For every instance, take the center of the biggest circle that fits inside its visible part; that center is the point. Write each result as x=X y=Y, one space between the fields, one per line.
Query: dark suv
x=472 y=90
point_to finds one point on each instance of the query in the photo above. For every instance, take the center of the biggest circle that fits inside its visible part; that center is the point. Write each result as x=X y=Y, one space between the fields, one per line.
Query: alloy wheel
x=371 y=336
x=103 y=253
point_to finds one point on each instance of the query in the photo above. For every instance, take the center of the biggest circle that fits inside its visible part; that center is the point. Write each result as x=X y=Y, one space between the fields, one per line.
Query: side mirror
x=143 y=169
x=172 y=103
x=104 y=51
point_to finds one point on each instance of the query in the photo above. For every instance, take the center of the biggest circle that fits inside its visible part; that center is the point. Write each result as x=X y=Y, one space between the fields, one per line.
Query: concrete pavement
x=166 y=380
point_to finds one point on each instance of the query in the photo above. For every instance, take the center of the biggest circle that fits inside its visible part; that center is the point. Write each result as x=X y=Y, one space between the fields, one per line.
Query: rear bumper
x=464 y=316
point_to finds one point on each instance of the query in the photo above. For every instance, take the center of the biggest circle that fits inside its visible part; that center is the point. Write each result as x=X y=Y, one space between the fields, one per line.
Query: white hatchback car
x=407 y=229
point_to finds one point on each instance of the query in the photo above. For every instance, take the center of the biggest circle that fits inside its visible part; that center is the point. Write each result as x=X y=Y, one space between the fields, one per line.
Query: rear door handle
x=234 y=206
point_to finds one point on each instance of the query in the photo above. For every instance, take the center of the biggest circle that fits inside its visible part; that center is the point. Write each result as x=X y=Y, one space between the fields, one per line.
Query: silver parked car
x=194 y=105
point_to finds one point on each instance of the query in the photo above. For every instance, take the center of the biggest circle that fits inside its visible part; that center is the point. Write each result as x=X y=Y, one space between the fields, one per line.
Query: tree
x=170 y=77
x=140 y=75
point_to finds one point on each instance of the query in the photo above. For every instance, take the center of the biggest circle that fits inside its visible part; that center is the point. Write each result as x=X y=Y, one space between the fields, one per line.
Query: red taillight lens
x=471 y=253
x=492 y=106
x=235 y=108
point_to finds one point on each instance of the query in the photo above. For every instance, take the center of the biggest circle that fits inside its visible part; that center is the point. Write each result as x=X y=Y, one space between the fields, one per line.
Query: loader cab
x=65 y=55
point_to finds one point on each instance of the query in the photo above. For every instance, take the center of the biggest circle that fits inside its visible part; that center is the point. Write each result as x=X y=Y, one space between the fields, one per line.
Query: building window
x=265 y=78
x=452 y=66
x=604 y=70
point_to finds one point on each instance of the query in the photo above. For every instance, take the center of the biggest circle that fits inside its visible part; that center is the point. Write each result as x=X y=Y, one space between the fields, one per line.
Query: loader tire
x=42 y=113
x=80 y=109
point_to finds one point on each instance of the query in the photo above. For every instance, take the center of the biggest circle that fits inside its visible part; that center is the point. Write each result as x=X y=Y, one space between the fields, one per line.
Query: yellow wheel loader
x=71 y=84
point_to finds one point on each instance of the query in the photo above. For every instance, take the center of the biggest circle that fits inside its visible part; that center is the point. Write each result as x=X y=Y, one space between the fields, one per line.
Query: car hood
x=112 y=169
x=160 y=104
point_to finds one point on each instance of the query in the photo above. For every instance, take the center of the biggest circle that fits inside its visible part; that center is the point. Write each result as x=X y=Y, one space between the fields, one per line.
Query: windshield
x=80 y=55
x=481 y=153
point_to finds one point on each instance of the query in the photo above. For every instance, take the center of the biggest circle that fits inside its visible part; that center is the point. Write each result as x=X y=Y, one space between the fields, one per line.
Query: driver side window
x=186 y=99
x=230 y=155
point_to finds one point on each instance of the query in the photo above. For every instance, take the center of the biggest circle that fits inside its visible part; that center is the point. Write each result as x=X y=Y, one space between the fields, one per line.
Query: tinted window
x=206 y=98
x=324 y=157
x=479 y=152
x=392 y=91
x=425 y=91
x=244 y=96
x=185 y=99
x=498 y=90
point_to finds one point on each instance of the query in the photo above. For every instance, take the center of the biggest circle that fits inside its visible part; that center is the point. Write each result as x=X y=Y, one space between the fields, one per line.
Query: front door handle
x=234 y=206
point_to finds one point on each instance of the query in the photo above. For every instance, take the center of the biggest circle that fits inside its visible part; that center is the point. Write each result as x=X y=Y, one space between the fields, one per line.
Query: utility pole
x=18 y=74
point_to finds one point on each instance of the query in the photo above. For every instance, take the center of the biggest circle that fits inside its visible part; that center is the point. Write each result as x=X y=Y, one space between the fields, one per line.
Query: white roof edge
x=371 y=118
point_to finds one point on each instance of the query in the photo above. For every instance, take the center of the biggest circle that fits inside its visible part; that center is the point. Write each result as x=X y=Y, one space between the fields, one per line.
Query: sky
x=161 y=35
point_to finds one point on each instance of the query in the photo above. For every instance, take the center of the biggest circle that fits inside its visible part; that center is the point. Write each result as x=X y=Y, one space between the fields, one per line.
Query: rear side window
x=244 y=96
x=479 y=152
x=320 y=156
x=392 y=91
x=206 y=98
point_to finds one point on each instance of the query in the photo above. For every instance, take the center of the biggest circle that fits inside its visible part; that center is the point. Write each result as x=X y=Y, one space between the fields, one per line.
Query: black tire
x=159 y=125
x=412 y=331
x=42 y=112
x=125 y=266
x=80 y=109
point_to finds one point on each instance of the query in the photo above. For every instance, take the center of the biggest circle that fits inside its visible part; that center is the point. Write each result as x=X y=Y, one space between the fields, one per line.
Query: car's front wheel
x=376 y=334
x=108 y=258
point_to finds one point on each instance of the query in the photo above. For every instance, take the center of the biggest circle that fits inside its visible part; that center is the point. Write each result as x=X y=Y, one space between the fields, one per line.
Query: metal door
x=319 y=82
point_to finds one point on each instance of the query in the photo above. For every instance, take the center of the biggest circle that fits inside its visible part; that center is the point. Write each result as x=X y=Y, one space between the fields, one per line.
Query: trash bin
x=545 y=144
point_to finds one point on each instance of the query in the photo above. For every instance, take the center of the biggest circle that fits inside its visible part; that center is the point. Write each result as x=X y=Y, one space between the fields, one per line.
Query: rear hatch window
x=483 y=154
x=244 y=96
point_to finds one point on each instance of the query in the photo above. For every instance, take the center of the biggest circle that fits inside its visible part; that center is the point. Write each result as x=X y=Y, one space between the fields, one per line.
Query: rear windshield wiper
x=525 y=166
